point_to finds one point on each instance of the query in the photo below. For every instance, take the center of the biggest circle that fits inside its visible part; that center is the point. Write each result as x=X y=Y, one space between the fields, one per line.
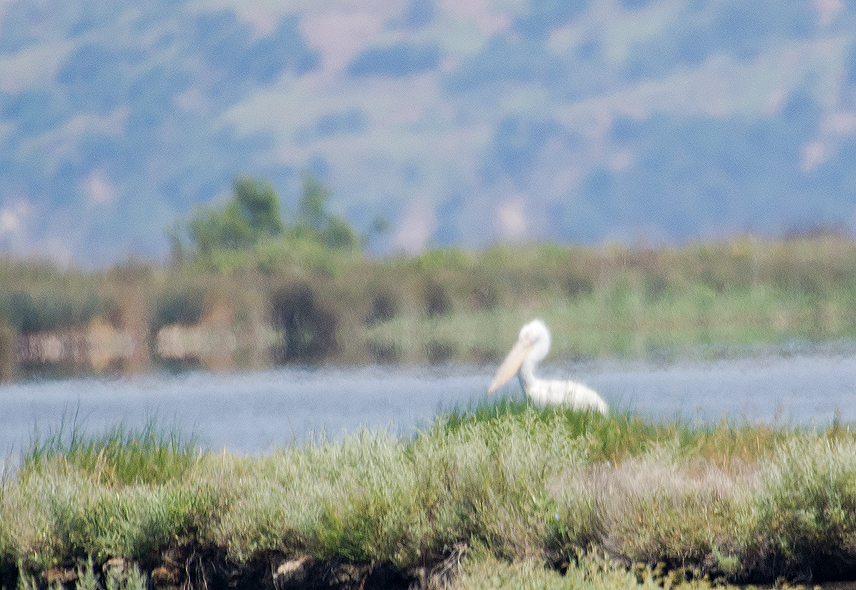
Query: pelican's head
x=532 y=345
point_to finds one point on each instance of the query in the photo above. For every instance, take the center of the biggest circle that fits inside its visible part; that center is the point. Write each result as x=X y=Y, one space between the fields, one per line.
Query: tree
x=312 y=211
x=210 y=229
x=334 y=231
x=251 y=214
x=259 y=205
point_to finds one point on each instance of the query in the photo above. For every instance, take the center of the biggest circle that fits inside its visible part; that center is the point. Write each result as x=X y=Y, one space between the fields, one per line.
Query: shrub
x=806 y=507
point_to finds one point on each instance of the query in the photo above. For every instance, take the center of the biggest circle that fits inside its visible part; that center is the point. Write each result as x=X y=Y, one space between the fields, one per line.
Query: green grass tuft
x=148 y=455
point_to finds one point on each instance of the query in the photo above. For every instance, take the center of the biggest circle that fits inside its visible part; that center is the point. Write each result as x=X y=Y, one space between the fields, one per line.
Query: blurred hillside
x=637 y=121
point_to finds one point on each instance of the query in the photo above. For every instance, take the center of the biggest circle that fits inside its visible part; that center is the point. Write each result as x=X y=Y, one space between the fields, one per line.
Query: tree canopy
x=250 y=215
x=253 y=215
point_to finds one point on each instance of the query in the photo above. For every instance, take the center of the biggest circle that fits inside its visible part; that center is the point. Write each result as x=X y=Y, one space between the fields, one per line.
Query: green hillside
x=634 y=121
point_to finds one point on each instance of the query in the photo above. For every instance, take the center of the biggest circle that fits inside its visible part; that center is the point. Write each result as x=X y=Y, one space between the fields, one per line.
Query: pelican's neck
x=536 y=337
x=526 y=374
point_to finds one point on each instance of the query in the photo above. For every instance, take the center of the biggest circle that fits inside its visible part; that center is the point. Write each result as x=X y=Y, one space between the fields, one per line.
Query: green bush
x=52 y=309
x=184 y=306
x=806 y=505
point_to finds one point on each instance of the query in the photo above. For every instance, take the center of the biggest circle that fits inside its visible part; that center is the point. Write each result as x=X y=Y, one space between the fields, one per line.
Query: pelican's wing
x=584 y=397
x=568 y=393
x=510 y=365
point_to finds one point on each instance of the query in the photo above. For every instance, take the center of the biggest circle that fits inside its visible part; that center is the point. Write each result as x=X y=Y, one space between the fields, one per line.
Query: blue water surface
x=253 y=412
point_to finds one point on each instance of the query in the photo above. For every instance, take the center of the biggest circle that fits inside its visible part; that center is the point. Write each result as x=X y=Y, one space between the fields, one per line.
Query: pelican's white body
x=531 y=347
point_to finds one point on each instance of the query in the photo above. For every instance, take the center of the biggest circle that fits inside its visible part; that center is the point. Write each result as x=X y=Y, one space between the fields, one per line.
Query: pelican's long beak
x=511 y=364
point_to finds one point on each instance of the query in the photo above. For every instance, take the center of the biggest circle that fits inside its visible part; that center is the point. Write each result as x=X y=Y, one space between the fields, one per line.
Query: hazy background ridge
x=462 y=123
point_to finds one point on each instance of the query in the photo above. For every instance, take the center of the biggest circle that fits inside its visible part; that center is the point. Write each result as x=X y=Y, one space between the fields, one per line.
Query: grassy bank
x=504 y=491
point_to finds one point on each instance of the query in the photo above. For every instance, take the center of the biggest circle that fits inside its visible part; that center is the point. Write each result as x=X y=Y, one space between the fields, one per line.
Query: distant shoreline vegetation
x=248 y=289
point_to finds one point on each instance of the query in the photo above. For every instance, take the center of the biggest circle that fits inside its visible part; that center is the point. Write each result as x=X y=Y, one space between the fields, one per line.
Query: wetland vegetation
x=316 y=304
x=493 y=496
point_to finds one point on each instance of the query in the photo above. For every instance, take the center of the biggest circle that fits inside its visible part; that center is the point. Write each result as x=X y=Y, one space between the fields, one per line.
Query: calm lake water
x=255 y=411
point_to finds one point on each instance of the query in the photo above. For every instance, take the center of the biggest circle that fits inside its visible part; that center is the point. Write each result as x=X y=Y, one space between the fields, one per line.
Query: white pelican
x=531 y=347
